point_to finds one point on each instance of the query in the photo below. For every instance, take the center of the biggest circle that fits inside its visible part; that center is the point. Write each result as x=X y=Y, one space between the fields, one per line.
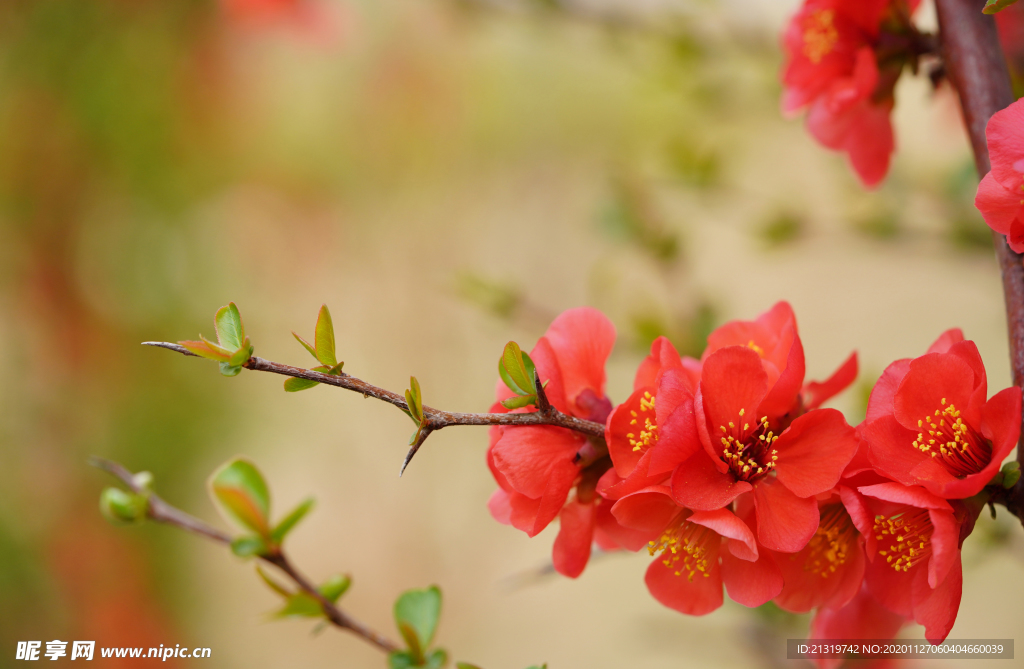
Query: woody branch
x=977 y=69
x=160 y=511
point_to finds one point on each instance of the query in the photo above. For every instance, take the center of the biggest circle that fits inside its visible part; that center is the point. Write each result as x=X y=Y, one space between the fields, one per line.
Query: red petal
x=883 y=395
x=750 y=583
x=499 y=507
x=891 y=450
x=648 y=510
x=891 y=588
x=805 y=590
x=862 y=618
x=728 y=525
x=610 y=533
x=901 y=494
x=550 y=372
x=999 y=206
x=572 y=545
x=785 y=522
x=534 y=458
x=861 y=516
x=936 y=608
x=732 y=380
x=662 y=358
x=697 y=484
x=581 y=338
x=698 y=597
x=813 y=452
x=677 y=424
x=782 y=397
x=945 y=542
x=946 y=341
x=932 y=378
x=816 y=393
x=1006 y=143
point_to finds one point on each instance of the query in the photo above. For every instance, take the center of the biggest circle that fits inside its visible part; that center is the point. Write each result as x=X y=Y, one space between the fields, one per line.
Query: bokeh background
x=446 y=175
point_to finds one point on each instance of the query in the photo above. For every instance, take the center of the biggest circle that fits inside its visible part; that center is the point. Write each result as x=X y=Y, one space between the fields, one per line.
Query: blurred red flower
x=1000 y=196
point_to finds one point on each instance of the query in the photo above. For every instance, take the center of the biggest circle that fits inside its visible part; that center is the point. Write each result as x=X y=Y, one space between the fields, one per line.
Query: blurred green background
x=446 y=175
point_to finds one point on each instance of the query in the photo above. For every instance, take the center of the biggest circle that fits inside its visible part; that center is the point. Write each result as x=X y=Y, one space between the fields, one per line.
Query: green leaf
x=217 y=348
x=206 y=350
x=993 y=6
x=294 y=385
x=417 y=613
x=323 y=338
x=414 y=399
x=272 y=584
x=543 y=666
x=512 y=369
x=312 y=351
x=465 y=665
x=242 y=355
x=335 y=587
x=243 y=495
x=519 y=401
x=291 y=520
x=437 y=659
x=401 y=659
x=227 y=369
x=1011 y=477
x=300 y=605
x=230 y=331
x=248 y=546
x=122 y=508
x=336 y=370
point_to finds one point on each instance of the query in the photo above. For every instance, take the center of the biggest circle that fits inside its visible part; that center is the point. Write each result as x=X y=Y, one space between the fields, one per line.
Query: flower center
x=952 y=442
x=830 y=546
x=749 y=453
x=820 y=35
x=648 y=435
x=684 y=548
x=909 y=537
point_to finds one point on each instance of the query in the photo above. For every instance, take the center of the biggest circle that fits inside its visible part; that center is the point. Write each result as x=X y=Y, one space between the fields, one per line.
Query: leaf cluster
x=233 y=349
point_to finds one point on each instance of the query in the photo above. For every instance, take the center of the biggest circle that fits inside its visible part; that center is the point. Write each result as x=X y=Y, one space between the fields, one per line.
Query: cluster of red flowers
x=843 y=60
x=730 y=473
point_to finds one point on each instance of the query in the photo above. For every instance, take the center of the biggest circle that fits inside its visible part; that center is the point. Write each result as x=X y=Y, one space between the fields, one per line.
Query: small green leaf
x=120 y=507
x=519 y=401
x=217 y=348
x=401 y=659
x=206 y=350
x=272 y=584
x=465 y=665
x=993 y=6
x=414 y=400
x=312 y=351
x=417 y=613
x=512 y=369
x=543 y=666
x=300 y=605
x=243 y=495
x=1010 y=478
x=437 y=659
x=323 y=338
x=230 y=331
x=291 y=520
x=227 y=369
x=336 y=370
x=335 y=587
x=248 y=546
x=242 y=355
x=294 y=385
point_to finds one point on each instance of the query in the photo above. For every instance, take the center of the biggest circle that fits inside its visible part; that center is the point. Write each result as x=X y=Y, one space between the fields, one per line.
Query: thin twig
x=160 y=511
x=435 y=419
x=977 y=69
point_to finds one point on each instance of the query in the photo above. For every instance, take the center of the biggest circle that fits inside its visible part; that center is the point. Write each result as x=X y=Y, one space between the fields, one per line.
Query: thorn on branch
x=543 y=403
x=172 y=347
x=421 y=436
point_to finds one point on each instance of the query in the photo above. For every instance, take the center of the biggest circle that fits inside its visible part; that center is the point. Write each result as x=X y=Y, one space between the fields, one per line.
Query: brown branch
x=435 y=419
x=160 y=511
x=977 y=69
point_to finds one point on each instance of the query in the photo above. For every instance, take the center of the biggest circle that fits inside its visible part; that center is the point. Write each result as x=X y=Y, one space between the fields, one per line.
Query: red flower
x=1000 y=196
x=699 y=552
x=537 y=467
x=833 y=68
x=773 y=336
x=654 y=430
x=928 y=422
x=750 y=445
x=912 y=543
x=829 y=570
